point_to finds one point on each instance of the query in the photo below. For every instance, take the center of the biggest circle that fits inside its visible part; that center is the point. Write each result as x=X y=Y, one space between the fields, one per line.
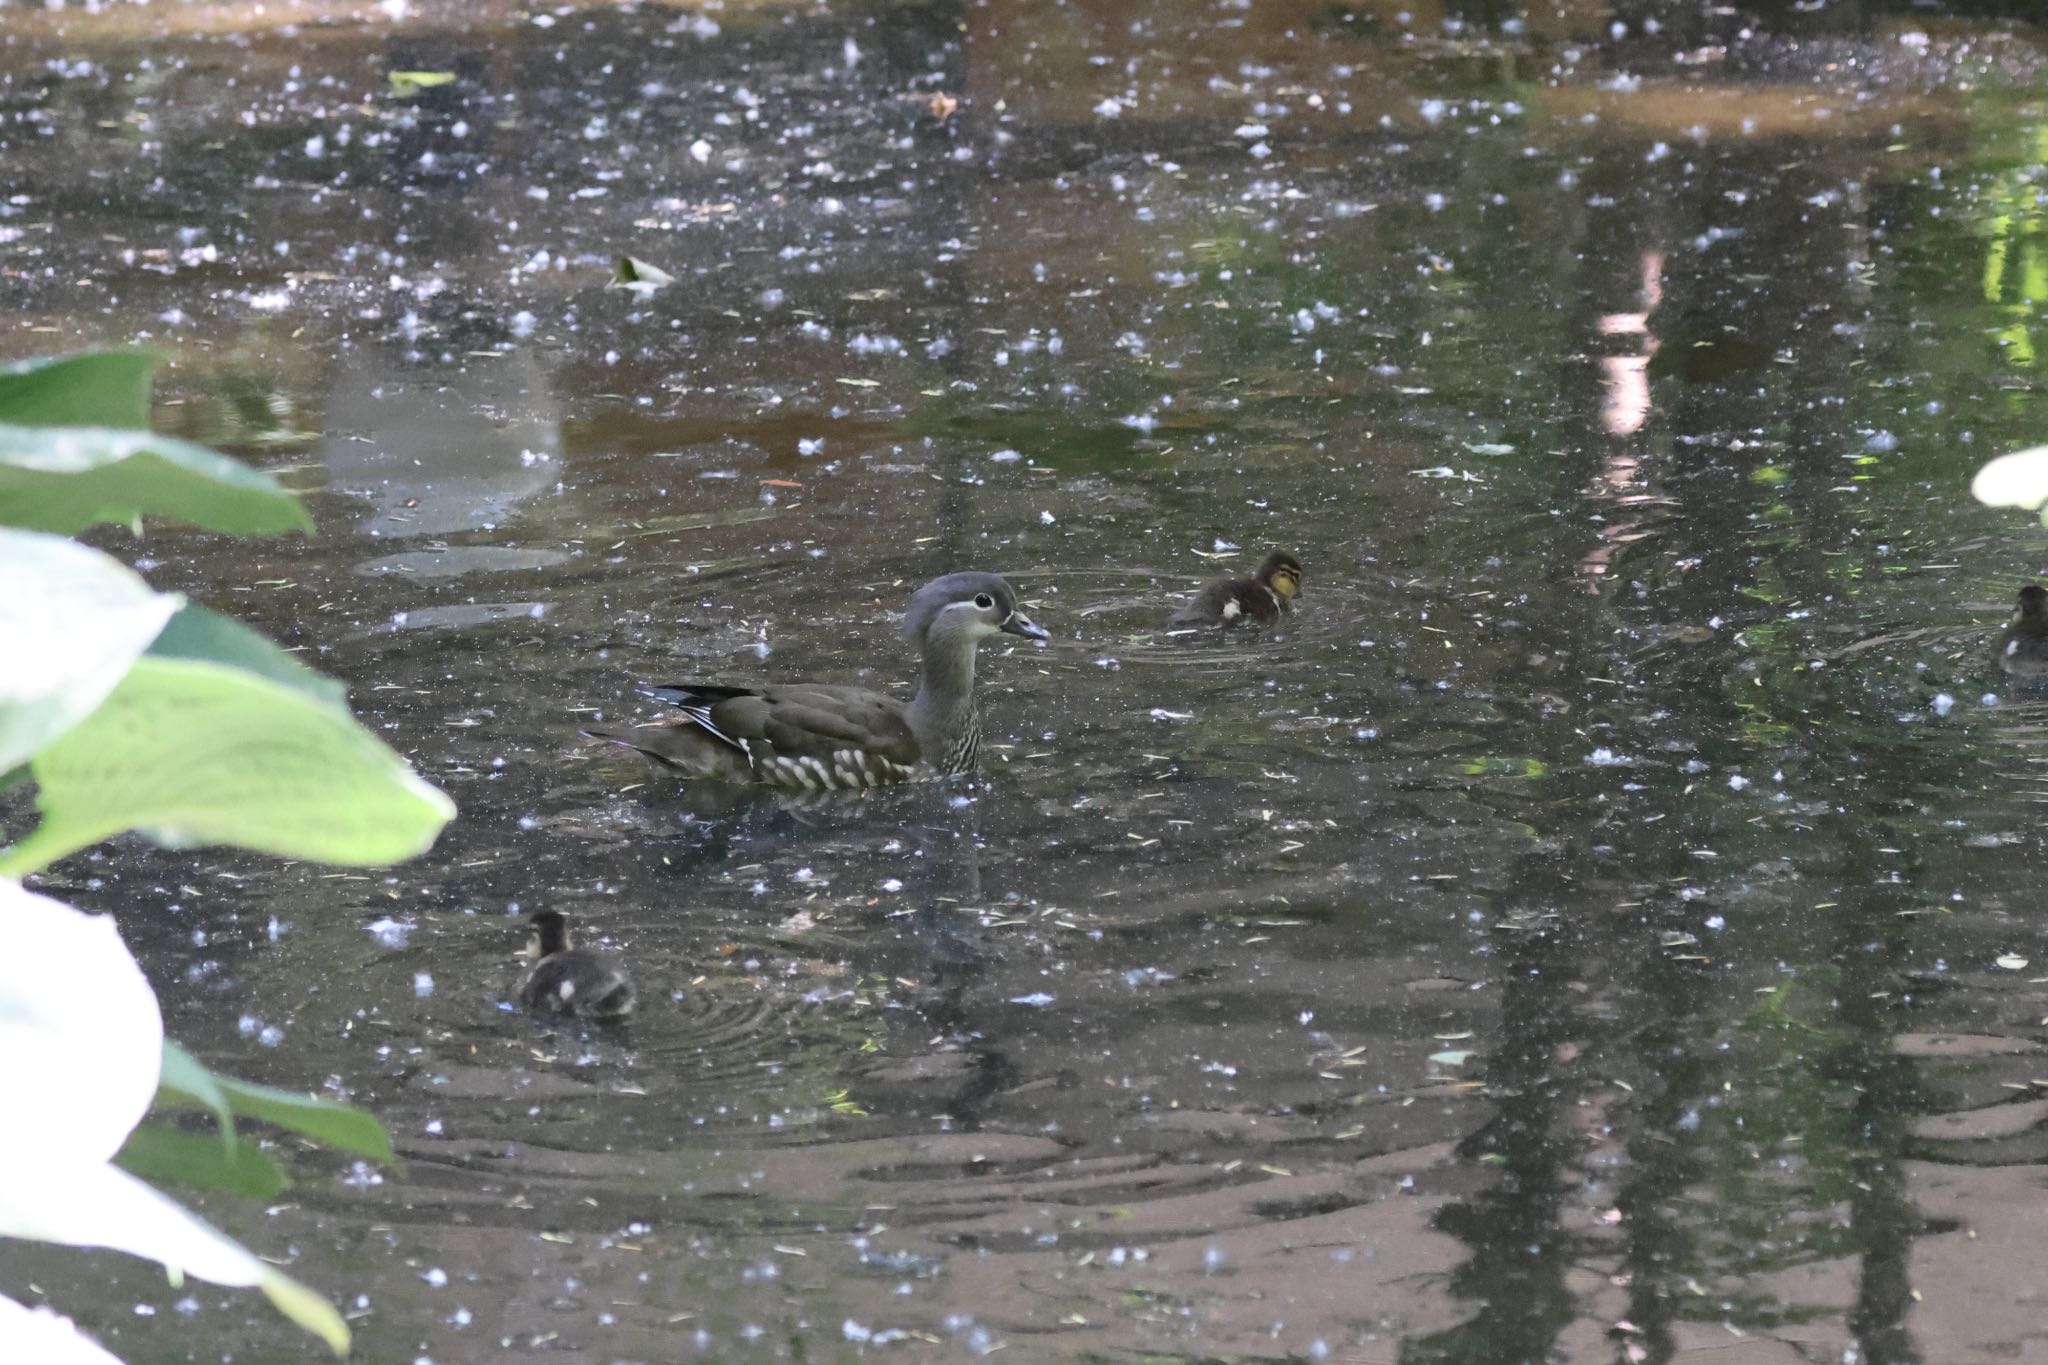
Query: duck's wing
x=858 y=737
x=804 y=735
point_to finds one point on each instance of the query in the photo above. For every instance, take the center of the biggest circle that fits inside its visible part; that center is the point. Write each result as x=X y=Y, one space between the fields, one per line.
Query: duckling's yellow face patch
x=532 y=951
x=1286 y=582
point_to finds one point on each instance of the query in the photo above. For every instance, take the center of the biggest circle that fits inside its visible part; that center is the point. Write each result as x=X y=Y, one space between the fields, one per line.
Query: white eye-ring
x=984 y=601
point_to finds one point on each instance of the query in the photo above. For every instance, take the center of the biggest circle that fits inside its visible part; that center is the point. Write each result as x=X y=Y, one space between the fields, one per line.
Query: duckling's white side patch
x=1231 y=610
x=2012 y=649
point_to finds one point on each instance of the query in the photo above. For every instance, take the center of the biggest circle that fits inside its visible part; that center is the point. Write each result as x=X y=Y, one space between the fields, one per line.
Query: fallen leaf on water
x=406 y=84
x=942 y=105
x=629 y=273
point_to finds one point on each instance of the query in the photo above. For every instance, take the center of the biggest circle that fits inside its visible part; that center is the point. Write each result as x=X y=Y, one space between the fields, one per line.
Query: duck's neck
x=943 y=708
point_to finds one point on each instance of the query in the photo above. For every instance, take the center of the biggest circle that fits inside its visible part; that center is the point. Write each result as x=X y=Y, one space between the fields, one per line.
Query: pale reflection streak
x=1624 y=409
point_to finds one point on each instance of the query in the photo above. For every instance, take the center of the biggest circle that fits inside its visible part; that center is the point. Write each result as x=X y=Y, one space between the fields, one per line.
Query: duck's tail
x=682 y=746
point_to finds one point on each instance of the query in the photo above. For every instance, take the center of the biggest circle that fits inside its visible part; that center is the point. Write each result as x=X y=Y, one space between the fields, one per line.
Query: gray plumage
x=814 y=737
x=569 y=981
x=1258 y=600
x=2022 y=647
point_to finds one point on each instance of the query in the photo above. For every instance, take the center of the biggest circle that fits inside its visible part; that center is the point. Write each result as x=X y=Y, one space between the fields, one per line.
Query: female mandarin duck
x=818 y=737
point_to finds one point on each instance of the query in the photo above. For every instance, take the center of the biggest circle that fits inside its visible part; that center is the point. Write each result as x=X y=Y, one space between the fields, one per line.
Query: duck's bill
x=1020 y=624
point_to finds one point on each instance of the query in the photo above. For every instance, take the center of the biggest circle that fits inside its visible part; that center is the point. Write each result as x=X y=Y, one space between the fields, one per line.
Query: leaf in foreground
x=47 y=1337
x=73 y=620
x=187 y=1084
x=81 y=1038
x=2016 y=480
x=81 y=1049
x=92 y=389
x=94 y=1204
x=165 y=1155
x=199 y=753
x=66 y=479
x=198 y=632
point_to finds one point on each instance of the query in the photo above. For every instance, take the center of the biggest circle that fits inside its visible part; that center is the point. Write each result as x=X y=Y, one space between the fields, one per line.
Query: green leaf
x=632 y=274
x=72 y=620
x=159 y=1153
x=69 y=478
x=95 y=389
x=185 y=1083
x=337 y=1125
x=200 y=753
x=311 y=1312
x=198 y=632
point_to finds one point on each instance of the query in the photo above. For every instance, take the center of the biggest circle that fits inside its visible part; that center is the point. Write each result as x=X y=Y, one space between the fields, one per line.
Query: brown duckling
x=2022 y=647
x=1259 y=599
x=566 y=980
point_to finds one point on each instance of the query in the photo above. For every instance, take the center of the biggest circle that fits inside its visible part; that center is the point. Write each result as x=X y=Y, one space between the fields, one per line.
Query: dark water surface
x=1602 y=925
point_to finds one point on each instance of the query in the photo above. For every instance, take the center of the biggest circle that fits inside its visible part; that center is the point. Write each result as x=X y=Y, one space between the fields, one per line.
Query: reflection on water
x=1599 y=924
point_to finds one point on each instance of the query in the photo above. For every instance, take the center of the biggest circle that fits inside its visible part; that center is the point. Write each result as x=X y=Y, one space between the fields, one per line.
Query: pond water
x=1602 y=924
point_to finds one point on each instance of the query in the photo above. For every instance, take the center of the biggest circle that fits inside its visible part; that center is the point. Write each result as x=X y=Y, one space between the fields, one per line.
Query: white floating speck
x=390 y=933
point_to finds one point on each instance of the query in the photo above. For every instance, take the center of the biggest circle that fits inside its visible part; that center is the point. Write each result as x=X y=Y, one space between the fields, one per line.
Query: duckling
x=1259 y=599
x=2022 y=646
x=566 y=980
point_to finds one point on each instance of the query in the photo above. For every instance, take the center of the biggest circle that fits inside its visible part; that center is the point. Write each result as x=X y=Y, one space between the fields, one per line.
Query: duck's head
x=547 y=934
x=967 y=606
x=2033 y=602
x=1282 y=573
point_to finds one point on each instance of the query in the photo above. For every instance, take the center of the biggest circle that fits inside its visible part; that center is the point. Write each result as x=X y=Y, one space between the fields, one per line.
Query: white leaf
x=2016 y=480
x=46 y=1337
x=81 y=1040
x=71 y=621
x=95 y=1204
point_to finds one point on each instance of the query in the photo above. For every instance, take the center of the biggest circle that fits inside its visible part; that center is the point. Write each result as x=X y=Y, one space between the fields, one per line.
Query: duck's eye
x=984 y=601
